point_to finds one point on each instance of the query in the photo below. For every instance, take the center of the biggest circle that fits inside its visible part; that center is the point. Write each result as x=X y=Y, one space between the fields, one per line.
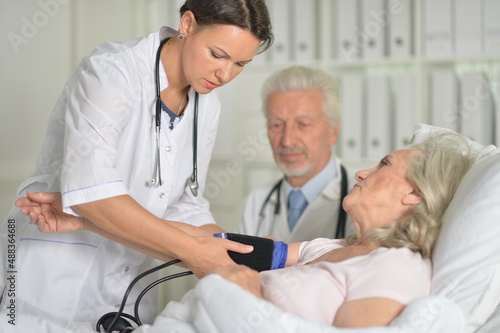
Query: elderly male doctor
x=301 y=105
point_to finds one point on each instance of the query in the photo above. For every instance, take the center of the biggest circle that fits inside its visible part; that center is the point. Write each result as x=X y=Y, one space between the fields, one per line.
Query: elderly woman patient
x=368 y=278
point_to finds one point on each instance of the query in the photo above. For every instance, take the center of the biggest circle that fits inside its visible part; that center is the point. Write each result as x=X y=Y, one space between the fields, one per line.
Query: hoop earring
x=181 y=36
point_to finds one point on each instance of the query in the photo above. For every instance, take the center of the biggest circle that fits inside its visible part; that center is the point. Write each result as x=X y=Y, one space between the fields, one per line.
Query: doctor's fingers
x=211 y=252
x=237 y=247
x=45 y=197
x=28 y=207
x=24 y=202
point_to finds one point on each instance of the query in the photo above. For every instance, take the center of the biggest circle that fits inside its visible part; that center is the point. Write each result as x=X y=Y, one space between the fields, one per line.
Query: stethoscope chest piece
x=193 y=186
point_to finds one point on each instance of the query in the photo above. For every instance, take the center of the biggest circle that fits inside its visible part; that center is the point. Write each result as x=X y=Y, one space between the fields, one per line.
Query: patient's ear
x=412 y=198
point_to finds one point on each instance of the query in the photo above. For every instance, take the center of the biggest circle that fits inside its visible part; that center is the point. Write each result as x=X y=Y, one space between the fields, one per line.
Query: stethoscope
x=341 y=220
x=156 y=179
x=115 y=321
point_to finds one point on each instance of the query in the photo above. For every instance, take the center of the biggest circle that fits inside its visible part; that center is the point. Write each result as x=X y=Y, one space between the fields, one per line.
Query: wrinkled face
x=214 y=55
x=383 y=194
x=299 y=132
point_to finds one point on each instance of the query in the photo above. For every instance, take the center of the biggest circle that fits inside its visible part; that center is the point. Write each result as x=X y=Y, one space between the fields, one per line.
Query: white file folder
x=304 y=36
x=378 y=117
x=438 y=32
x=491 y=27
x=348 y=41
x=468 y=28
x=444 y=99
x=374 y=21
x=279 y=10
x=476 y=107
x=400 y=41
x=496 y=93
x=351 y=131
x=404 y=109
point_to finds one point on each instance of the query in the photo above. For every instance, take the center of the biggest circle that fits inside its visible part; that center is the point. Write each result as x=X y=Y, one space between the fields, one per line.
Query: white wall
x=36 y=59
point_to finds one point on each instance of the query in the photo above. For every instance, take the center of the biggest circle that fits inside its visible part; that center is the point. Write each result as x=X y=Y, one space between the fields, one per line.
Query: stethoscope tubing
x=157 y=179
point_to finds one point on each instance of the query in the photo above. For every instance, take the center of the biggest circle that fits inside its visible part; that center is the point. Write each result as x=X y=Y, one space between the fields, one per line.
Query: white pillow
x=466 y=260
x=423 y=131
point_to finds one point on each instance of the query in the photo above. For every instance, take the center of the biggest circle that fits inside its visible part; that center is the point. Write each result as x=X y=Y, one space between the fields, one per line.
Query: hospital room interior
x=398 y=63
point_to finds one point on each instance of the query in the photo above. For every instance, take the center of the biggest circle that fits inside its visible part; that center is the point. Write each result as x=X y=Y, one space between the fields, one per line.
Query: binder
x=491 y=27
x=404 y=109
x=468 y=28
x=304 y=36
x=444 y=99
x=378 y=117
x=438 y=33
x=400 y=41
x=476 y=108
x=227 y=134
x=279 y=10
x=348 y=42
x=374 y=20
x=351 y=131
x=496 y=95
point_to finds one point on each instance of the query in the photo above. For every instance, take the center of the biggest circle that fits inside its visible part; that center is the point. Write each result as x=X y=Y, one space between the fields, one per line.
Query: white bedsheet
x=216 y=305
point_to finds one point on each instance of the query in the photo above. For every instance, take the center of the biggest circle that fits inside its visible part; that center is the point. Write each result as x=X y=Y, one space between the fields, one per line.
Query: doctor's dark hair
x=250 y=15
x=435 y=172
x=299 y=78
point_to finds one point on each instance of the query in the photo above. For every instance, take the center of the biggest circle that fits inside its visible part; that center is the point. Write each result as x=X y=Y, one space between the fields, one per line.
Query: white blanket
x=216 y=305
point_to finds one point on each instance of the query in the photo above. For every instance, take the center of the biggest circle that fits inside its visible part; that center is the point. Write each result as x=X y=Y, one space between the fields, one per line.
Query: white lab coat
x=319 y=219
x=101 y=143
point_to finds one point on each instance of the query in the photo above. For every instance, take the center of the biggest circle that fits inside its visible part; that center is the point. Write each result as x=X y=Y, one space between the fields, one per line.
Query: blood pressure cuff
x=266 y=255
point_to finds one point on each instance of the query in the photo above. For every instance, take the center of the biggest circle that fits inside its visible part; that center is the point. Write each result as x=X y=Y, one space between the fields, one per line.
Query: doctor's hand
x=210 y=252
x=45 y=210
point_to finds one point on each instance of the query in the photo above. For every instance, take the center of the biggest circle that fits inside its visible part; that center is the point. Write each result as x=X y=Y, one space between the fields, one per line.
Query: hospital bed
x=465 y=285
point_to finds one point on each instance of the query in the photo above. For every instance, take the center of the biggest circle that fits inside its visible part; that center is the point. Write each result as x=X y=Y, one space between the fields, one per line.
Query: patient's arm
x=241 y=275
x=293 y=254
x=376 y=311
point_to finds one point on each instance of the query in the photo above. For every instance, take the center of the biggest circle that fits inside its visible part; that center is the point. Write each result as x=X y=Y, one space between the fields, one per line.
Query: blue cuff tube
x=280 y=255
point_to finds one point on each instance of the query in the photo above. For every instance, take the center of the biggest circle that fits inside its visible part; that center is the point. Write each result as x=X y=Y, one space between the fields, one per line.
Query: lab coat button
x=126 y=269
x=162 y=195
x=168 y=148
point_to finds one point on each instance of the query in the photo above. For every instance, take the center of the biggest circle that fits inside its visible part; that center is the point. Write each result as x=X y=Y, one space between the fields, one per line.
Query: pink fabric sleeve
x=397 y=274
x=308 y=251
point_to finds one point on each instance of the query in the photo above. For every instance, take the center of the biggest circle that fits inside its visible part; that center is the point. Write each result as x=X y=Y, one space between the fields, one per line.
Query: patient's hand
x=45 y=210
x=243 y=276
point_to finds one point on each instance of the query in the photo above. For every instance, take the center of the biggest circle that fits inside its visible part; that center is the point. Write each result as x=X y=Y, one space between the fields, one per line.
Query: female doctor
x=128 y=151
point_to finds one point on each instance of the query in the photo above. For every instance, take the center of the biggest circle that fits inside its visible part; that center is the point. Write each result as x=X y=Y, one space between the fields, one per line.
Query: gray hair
x=436 y=172
x=298 y=78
